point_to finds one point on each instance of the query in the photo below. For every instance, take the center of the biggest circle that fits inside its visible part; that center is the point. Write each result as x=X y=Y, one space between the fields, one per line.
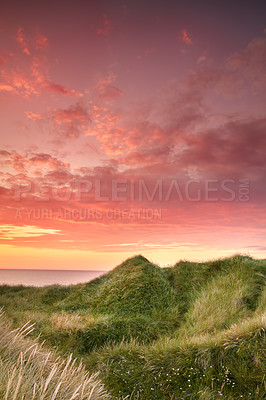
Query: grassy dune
x=192 y=331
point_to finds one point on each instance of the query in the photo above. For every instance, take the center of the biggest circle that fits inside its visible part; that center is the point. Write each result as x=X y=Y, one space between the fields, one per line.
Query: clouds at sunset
x=73 y=120
x=41 y=41
x=55 y=87
x=103 y=104
x=110 y=92
x=34 y=77
x=106 y=26
x=22 y=41
x=2 y=61
x=185 y=38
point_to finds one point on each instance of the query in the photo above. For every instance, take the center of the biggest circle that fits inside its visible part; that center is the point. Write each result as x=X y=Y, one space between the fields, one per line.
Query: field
x=190 y=331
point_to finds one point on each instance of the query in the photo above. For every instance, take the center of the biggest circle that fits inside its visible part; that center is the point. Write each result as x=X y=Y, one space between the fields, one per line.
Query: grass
x=28 y=371
x=224 y=300
x=191 y=331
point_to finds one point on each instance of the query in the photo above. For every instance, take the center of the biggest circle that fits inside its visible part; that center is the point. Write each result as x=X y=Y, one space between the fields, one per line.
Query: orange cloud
x=33 y=77
x=39 y=223
x=30 y=162
x=22 y=42
x=71 y=122
x=24 y=82
x=51 y=163
x=11 y=232
x=6 y=88
x=33 y=116
x=41 y=41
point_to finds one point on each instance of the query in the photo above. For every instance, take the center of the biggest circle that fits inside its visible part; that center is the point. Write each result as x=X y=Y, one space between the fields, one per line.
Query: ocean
x=36 y=277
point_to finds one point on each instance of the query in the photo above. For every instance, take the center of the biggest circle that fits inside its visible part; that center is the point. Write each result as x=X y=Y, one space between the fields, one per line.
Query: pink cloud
x=4 y=153
x=22 y=41
x=241 y=74
x=105 y=80
x=146 y=53
x=181 y=137
x=25 y=163
x=28 y=81
x=179 y=215
x=105 y=88
x=106 y=27
x=33 y=116
x=251 y=63
x=6 y=88
x=236 y=146
x=41 y=41
x=135 y=134
x=72 y=121
x=33 y=77
x=185 y=38
x=110 y=92
x=55 y=87
x=201 y=59
x=18 y=162
x=16 y=81
x=2 y=61
x=58 y=172
x=47 y=160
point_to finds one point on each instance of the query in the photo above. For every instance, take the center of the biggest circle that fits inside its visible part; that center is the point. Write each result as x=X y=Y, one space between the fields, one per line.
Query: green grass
x=224 y=300
x=191 y=331
x=229 y=365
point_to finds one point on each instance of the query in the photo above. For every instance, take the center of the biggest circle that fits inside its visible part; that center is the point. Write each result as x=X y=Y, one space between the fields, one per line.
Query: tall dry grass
x=29 y=372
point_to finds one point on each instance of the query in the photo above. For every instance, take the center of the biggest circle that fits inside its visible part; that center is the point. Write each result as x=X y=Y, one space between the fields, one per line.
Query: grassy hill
x=191 y=331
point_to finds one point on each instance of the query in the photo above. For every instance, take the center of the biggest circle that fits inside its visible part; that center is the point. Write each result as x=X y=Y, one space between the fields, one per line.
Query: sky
x=131 y=127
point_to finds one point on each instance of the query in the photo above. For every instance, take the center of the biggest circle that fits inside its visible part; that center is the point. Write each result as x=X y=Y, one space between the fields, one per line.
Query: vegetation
x=191 y=331
x=28 y=371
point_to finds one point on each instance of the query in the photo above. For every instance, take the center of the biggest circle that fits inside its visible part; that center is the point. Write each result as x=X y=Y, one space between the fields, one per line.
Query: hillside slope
x=191 y=331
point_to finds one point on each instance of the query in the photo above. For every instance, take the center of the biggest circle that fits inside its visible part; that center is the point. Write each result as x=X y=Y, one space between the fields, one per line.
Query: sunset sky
x=131 y=127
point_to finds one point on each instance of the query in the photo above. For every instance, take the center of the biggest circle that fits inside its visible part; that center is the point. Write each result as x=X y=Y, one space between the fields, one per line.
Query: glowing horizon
x=131 y=128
